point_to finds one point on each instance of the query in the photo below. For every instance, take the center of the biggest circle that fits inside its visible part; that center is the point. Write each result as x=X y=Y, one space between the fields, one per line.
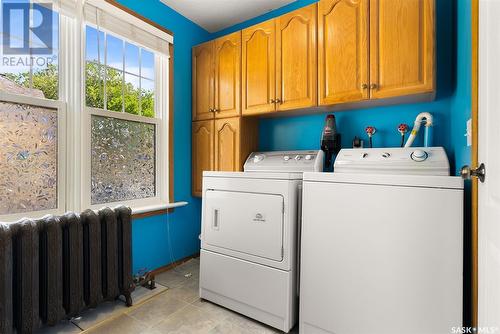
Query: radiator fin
x=72 y=264
x=26 y=276
x=92 y=258
x=51 y=261
x=125 y=282
x=6 y=312
x=109 y=237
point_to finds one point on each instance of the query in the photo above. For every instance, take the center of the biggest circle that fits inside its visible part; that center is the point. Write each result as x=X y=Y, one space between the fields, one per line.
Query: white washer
x=382 y=248
x=249 y=236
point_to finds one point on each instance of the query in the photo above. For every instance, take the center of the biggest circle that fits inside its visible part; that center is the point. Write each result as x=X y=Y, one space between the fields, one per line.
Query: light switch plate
x=468 y=132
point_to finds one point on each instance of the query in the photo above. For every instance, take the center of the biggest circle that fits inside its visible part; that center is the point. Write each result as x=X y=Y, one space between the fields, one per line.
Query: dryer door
x=239 y=224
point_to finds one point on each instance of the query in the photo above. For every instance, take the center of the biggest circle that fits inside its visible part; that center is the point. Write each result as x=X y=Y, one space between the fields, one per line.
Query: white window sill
x=150 y=208
x=143 y=209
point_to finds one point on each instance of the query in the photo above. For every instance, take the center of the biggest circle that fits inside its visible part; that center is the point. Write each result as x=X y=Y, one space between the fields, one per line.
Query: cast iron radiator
x=56 y=267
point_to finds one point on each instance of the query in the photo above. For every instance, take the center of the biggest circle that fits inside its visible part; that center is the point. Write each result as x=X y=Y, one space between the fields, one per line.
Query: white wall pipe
x=416 y=127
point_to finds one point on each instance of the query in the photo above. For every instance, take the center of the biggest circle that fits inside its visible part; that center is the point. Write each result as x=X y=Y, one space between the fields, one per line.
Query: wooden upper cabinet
x=402 y=42
x=296 y=59
x=203 y=81
x=343 y=63
x=202 y=153
x=258 y=68
x=227 y=145
x=228 y=75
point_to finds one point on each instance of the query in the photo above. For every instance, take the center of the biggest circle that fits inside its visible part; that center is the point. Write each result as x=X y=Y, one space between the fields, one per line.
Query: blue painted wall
x=451 y=108
x=151 y=247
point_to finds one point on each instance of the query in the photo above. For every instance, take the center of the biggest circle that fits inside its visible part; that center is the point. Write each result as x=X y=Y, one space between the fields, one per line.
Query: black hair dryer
x=330 y=142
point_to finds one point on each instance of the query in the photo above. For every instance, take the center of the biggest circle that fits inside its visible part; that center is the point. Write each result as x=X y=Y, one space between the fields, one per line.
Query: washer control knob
x=419 y=155
x=298 y=157
x=286 y=157
x=308 y=157
x=386 y=155
x=258 y=158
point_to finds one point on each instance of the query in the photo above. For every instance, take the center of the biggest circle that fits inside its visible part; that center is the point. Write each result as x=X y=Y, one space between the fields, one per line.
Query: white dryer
x=382 y=247
x=249 y=236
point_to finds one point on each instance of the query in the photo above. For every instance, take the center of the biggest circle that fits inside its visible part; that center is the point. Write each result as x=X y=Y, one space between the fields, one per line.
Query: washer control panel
x=285 y=161
x=405 y=160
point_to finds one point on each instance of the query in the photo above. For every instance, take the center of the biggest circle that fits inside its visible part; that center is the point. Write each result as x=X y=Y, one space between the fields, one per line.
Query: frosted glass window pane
x=28 y=158
x=123 y=160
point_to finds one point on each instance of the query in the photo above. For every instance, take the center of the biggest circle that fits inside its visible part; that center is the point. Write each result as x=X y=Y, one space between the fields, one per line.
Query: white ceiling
x=214 y=15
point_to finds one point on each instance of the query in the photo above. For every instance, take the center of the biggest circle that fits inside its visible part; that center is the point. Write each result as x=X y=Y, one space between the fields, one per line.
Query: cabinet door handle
x=373 y=86
x=364 y=86
x=272 y=101
x=277 y=101
x=217 y=110
x=210 y=110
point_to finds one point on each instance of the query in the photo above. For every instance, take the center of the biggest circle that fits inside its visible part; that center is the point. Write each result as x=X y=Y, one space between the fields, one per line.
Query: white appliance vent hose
x=424 y=116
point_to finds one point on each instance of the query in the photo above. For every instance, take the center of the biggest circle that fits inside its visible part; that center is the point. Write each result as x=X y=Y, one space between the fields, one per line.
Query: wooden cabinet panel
x=227 y=145
x=258 y=68
x=402 y=56
x=202 y=153
x=227 y=75
x=296 y=59
x=343 y=64
x=203 y=81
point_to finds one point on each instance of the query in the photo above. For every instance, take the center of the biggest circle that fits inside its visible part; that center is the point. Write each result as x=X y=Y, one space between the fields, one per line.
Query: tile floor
x=174 y=307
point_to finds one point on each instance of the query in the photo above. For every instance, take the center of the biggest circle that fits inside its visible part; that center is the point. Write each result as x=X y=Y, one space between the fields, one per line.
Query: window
x=32 y=131
x=68 y=143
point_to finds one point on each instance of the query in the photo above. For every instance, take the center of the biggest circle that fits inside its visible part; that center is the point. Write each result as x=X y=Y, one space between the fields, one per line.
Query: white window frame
x=74 y=151
x=61 y=106
x=161 y=121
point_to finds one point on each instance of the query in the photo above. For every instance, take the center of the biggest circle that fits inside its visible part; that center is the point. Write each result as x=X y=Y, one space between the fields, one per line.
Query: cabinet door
x=402 y=55
x=227 y=75
x=227 y=145
x=203 y=81
x=258 y=68
x=296 y=59
x=202 y=153
x=343 y=51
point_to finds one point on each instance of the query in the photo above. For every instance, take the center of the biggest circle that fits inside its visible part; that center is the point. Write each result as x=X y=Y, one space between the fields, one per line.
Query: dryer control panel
x=390 y=160
x=285 y=161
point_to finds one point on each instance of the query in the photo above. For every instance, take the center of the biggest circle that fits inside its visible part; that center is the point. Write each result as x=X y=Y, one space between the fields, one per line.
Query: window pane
x=147 y=98
x=46 y=77
x=28 y=159
x=114 y=89
x=94 y=51
x=34 y=74
x=131 y=94
x=148 y=64
x=94 y=85
x=123 y=160
x=131 y=59
x=115 y=52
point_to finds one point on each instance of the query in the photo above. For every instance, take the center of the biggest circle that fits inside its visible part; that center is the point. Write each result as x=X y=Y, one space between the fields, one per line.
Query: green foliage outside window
x=46 y=80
